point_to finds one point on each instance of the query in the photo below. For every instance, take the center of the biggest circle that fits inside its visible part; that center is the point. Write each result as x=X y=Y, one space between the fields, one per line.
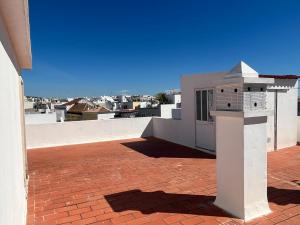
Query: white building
x=146 y=98
x=123 y=98
x=198 y=99
x=15 y=55
x=28 y=103
x=197 y=128
x=173 y=96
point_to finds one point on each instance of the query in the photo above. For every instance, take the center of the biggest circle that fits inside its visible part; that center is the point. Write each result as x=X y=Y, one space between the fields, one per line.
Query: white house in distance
x=172 y=109
x=197 y=128
x=15 y=55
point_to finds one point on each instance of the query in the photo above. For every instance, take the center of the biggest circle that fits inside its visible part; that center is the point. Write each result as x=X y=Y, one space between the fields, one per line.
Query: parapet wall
x=79 y=132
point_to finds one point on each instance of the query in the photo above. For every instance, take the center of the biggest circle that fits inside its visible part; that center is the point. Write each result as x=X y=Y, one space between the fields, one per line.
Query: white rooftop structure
x=242 y=70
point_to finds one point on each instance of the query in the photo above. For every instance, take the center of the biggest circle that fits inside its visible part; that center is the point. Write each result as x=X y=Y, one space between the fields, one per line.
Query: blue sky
x=97 y=47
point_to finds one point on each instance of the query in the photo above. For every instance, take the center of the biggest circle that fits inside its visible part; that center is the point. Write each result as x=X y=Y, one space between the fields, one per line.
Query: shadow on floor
x=157 y=148
x=283 y=196
x=159 y=201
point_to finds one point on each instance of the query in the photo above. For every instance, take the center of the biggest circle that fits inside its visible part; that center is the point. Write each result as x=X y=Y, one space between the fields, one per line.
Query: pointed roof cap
x=242 y=70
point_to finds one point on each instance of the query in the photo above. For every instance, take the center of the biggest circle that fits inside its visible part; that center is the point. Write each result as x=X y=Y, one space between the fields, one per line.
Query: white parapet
x=241 y=164
x=87 y=131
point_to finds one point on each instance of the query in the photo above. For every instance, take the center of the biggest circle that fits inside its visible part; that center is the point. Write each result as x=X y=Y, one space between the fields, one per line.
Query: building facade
x=195 y=127
x=15 y=55
x=199 y=97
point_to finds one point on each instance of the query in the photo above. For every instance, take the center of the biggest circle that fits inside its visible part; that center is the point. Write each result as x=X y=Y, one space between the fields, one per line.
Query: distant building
x=43 y=107
x=146 y=98
x=173 y=109
x=147 y=112
x=81 y=109
x=28 y=103
x=174 y=98
x=145 y=105
x=99 y=113
x=130 y=105
x=123 y=98
x=76 y=107
x=126 y=113
x=107 y=102
x=166 y=110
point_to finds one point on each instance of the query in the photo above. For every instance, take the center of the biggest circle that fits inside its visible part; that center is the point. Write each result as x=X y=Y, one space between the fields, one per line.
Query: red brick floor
x=145 y=181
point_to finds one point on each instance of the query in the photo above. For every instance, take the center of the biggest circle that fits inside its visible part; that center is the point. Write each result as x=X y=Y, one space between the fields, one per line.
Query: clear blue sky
x=91 y=48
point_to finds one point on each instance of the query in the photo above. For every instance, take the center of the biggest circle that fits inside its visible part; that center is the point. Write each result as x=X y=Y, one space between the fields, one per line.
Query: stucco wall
x=188 y=86
x=40 y=118
x=168 y=129
x=242 y=185
x=106 y=116
x=28 y=105
x=13 y=204
x=287 y=117
x=270 y=121
x=298 y=129
x=78 y=132
x=287 y=109
x=176 y=114
x=286 y=114
x=166 y=110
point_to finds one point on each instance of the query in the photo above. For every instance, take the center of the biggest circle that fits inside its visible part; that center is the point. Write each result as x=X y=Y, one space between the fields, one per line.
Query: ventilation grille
x=240 y=98
x=229 y=97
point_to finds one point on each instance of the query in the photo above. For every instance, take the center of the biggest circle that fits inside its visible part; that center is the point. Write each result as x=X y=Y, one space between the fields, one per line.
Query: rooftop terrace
x=145 y=181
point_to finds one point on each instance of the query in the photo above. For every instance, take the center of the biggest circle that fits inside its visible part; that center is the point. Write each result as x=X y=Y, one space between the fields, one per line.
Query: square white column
x=241 y=164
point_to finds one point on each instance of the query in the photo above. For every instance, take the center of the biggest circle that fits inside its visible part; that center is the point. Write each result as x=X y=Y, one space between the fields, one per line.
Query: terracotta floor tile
x=145 y=181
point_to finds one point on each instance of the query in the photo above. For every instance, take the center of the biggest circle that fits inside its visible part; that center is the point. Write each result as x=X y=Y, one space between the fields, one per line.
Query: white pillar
x=241 y=164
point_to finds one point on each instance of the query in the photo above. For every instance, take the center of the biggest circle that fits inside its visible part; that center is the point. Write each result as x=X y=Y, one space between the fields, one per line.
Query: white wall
x=40 y=118
x=60 y=115
x=287 y=118
x=286 y=113
x=78 y=132
x=188 y=86
x=174 y=98
x=13 y=204
x=176 y=114
x=166 y=110
x=183 y=131
x=287 y=108
x=177 y=99
x=168 y=129
x=270 y=122
x=28 y=105
x=298 y=130
x=106 y=116
x=242 y=186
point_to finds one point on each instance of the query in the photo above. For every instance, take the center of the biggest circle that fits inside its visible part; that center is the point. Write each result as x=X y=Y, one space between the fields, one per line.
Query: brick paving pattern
x=145 y=181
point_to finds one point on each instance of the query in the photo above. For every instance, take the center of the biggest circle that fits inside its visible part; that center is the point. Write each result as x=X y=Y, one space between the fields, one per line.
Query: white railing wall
x=40 y=118
x=79 y=132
